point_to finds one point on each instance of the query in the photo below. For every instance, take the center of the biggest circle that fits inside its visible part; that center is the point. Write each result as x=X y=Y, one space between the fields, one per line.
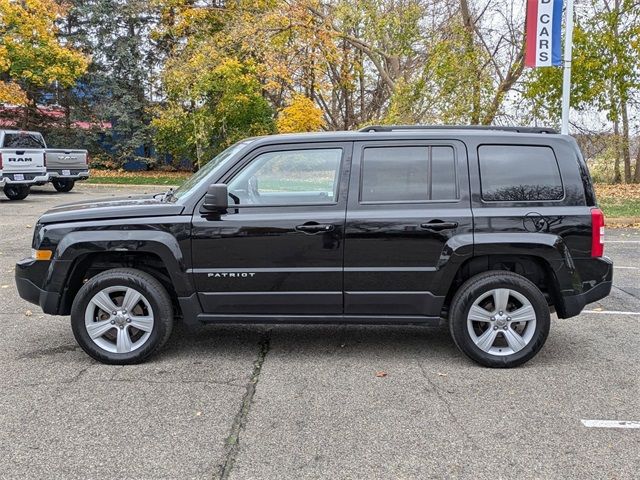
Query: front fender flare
x=78 y=244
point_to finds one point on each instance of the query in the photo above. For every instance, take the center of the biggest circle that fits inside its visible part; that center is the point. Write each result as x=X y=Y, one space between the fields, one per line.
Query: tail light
x=0 y=161
x=597 y=232
x=44 y=158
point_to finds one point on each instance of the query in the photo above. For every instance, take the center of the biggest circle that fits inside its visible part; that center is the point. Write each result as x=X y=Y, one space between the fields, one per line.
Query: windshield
x=194 y=180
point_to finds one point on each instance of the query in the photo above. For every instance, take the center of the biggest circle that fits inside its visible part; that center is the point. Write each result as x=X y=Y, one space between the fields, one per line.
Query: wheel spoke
x=525 y=313
x=103 y=302
x=514 y=340
x=131 y=299
x=142 y=323
x=485 y=341
x=501 y=299
x=123 y=342
x=98 y=329
x=478 y=314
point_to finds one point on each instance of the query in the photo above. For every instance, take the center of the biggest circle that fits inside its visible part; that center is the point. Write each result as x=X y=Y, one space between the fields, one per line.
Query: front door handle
x=313 y=228
x=437 y=225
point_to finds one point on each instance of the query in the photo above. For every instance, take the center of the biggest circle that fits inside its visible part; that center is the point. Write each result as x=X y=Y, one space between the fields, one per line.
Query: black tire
x=143 y=283
x=63 y=185
x=17 y=191
x=473 y=289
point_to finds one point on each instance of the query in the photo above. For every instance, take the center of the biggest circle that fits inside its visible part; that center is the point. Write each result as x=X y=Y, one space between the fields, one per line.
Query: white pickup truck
x=25 y=160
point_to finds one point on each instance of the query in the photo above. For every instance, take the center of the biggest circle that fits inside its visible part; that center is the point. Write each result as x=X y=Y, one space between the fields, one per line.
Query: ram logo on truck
x=20 y=159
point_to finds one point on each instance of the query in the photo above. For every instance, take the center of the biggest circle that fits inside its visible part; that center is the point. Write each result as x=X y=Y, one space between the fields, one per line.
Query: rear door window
x=519 y=173
x=408 y=174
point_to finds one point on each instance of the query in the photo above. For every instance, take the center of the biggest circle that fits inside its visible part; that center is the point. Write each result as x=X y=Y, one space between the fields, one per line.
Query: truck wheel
x=63 y=185
x=499 y=319
x=17 y=191
x=122 y=316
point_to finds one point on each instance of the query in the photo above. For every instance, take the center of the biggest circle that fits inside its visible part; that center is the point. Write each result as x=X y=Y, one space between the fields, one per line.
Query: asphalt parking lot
x=293 y=402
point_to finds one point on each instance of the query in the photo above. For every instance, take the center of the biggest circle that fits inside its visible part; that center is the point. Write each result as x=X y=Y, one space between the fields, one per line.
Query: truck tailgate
x=58 y=159
x=22 y=161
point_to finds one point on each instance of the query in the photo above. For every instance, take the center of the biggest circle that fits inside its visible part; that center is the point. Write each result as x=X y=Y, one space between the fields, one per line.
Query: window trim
x=515 y=145
x=428 y=145
x=296 y=147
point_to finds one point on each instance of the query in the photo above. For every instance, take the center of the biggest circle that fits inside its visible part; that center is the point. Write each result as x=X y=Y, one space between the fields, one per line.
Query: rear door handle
x=436 y=225
x=313 y=227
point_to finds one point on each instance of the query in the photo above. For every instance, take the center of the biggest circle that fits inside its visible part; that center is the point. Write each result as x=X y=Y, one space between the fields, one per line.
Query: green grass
x=137 y=180
x=295 y=184
x=620 y=207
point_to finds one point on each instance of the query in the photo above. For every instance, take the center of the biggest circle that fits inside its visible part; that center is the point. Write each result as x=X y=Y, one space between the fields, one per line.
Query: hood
x=125 y=207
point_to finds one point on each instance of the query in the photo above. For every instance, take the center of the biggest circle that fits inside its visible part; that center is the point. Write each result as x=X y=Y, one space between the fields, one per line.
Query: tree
x=605 y=75
x=213 y=102
x=302 y=115
x=31 y=55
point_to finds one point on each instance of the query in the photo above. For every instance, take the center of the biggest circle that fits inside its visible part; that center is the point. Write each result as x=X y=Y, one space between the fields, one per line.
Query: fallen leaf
x=198 y=414
x=28 y=226
x=440 y=374
x=381 y=373
x=28 y=313
x=5 y=286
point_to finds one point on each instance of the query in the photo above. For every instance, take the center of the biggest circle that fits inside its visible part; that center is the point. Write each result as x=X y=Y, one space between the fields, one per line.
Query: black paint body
x=376 y=262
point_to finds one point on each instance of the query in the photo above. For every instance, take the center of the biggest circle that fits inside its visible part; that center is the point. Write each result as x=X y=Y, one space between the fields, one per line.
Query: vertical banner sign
x=543 y=33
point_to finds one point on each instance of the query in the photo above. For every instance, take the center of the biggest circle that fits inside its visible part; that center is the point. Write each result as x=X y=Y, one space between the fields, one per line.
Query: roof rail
x=393 y=128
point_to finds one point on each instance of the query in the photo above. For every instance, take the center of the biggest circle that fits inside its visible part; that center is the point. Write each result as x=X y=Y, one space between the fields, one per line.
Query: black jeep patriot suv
x=491 y=228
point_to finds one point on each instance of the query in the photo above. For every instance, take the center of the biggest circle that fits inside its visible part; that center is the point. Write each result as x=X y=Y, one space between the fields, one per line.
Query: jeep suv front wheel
x=122 y=316
x=499 y=319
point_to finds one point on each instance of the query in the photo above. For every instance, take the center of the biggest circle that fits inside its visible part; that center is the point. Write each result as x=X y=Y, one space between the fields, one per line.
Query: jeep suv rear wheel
x=499 y=319
x=122 y=316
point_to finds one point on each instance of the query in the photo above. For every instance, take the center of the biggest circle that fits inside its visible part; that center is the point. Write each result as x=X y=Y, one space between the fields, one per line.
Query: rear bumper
x=28 y=179
x=573 y=304
x=74 y=174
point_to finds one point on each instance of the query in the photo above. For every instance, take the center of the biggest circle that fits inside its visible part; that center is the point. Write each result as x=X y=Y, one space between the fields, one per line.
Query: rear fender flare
x=549 y=248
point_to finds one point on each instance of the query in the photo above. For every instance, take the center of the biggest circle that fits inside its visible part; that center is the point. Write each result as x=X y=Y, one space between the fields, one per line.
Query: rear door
x=407 y=201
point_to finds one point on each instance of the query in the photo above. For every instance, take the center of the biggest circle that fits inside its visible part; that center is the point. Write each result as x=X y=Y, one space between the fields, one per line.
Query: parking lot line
x=626 y=268
x=611 y=312
x=621 y=241
x=611 y=423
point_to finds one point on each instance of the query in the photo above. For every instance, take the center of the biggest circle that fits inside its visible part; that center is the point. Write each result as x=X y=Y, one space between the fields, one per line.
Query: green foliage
x=31 y=54
x=605 y=67
x=209 y=111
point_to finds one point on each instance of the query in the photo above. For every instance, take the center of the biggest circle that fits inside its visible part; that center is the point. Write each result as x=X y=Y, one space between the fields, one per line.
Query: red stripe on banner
x=530 y=33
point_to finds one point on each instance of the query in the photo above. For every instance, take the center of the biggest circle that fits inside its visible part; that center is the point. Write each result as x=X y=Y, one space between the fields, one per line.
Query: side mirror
x=216 y=199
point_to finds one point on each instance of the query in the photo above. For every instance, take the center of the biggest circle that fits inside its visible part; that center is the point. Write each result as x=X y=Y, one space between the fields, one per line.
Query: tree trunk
x=626 y=153
x=467 y=22
x=617 y=177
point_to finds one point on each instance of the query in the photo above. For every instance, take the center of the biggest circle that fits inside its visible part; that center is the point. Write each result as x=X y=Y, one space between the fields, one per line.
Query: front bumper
x=64 y=174
x=29 y=276
x=597 y=289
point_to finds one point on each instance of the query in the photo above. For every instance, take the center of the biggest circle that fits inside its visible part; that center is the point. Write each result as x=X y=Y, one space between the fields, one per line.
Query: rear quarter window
x=520 y=173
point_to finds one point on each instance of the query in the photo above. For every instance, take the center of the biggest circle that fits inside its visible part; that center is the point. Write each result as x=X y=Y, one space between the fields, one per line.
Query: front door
x=278 y=250
x=408 y=202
